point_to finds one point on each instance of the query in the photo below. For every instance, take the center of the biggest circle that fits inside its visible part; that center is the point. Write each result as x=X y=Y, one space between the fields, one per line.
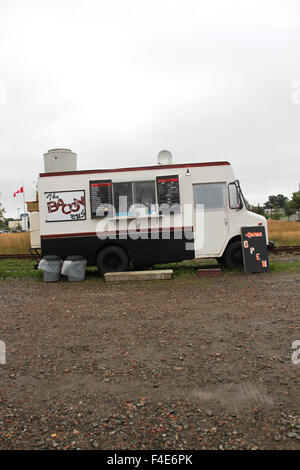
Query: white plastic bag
x=50 y=266
x=74 y=268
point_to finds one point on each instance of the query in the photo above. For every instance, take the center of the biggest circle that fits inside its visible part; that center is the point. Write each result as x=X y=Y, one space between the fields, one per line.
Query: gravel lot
x=183 y=364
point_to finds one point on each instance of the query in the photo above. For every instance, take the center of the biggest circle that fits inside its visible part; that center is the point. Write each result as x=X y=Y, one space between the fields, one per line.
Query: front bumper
x=271 y=246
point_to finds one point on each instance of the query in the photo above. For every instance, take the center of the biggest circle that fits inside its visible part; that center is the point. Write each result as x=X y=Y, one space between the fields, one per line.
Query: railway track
x=17 y=256
x=275 y=251
x=285 y=249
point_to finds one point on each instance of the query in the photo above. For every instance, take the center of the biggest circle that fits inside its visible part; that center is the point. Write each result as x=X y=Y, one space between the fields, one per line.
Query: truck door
x=210 y=218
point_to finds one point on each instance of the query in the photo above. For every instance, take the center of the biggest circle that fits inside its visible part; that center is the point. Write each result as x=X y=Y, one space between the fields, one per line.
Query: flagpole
x=25 y=219
x=24 y=197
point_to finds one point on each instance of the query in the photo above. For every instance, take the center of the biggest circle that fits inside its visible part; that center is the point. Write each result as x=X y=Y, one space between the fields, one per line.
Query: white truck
x=140 y=216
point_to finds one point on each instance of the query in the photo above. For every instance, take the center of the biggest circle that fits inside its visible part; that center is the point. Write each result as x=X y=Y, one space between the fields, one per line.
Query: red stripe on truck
x=94 y=234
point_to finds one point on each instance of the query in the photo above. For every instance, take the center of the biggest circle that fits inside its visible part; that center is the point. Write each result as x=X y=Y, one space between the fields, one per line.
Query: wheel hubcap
x=112 y=261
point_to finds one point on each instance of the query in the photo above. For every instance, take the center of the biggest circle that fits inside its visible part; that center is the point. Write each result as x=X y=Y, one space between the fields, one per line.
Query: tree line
x=279 y=205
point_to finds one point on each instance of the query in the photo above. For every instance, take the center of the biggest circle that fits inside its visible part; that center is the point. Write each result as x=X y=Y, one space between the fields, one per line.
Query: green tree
x=275 y=214
x=258 y=209
x=270 y=203
x=276 y=201
x=2 y=212
x=280 y=200
x=296 y=202
x=289 y=209
x=5 y=224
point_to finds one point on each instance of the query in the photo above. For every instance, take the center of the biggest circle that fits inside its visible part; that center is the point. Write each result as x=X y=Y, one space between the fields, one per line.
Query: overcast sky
x=117 y=81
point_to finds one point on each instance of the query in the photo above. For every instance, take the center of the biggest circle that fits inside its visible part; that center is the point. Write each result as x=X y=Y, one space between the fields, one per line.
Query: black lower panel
x=142 y=251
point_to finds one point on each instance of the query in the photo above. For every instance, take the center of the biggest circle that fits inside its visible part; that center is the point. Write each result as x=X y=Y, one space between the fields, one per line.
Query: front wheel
x=233 y=257
x=221 y=262
x=112 y=259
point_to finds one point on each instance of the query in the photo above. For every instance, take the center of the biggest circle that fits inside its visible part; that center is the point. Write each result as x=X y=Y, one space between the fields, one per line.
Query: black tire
x=142 y=267
x=233 y=257
x=112 y=259
x=221 y=261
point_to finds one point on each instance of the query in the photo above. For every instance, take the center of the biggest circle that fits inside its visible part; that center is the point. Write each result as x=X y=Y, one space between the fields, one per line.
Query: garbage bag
x=74 y=268
x=50 y=265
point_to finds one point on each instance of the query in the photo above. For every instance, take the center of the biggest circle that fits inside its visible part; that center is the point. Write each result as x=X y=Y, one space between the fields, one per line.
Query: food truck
x=140 y=216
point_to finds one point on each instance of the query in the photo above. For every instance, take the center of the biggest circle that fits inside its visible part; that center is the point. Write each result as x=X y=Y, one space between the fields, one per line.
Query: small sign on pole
x=25 y=219
x=255 y=251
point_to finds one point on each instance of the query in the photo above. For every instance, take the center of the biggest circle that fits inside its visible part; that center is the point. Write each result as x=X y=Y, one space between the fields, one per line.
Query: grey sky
x=119 y=80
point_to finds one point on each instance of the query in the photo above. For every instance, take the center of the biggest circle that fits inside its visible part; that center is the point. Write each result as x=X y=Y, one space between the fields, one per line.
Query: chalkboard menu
x=168 y=193
x=255 y=251
x=101 y=198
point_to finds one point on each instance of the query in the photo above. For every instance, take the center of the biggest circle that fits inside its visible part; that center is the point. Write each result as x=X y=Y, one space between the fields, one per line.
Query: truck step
x=159 y=274
x=209 y=272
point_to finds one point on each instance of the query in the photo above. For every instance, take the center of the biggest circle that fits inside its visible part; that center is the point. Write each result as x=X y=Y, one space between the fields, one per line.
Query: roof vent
x=164 y=157
x=57 y=160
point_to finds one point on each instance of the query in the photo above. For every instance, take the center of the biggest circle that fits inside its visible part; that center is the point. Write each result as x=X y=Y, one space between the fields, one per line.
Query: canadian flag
x=21 y=190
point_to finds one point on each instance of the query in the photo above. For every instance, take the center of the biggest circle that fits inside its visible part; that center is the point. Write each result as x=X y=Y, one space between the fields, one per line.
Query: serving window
x=144 y=193
x=121 y=199
x=134 y=198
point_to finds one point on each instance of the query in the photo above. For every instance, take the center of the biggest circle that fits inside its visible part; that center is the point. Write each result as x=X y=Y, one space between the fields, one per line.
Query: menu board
x=168 y=193
x=255 y=251
x=101 y=198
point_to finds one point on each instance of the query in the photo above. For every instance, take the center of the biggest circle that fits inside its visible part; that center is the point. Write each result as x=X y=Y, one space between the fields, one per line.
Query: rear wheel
x=233 y=257
x=112 y=259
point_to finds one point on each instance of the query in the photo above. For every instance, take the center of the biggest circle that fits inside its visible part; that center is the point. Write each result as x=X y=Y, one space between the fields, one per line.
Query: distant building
x=275 y=210
x=14 y=224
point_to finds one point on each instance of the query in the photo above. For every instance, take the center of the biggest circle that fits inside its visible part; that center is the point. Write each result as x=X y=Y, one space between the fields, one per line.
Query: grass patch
x=284 y=233
x=284 y=267
x=14 y=243
x=24 y=269
x=19 y=268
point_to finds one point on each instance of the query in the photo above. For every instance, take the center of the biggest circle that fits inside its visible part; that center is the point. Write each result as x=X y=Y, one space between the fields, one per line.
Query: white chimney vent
x=57 y=160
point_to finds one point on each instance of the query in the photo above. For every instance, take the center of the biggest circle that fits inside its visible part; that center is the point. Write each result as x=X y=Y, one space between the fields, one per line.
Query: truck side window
x=234 y=197
x=132 y=195
x=212 y=195
x=122 y=197
x=144 y=193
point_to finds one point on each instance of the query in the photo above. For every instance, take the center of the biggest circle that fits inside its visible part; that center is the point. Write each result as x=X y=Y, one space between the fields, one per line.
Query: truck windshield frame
x=240 y=202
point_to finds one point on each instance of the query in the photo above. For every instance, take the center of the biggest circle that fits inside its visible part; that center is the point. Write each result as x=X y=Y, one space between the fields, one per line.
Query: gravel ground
x=200 y=363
